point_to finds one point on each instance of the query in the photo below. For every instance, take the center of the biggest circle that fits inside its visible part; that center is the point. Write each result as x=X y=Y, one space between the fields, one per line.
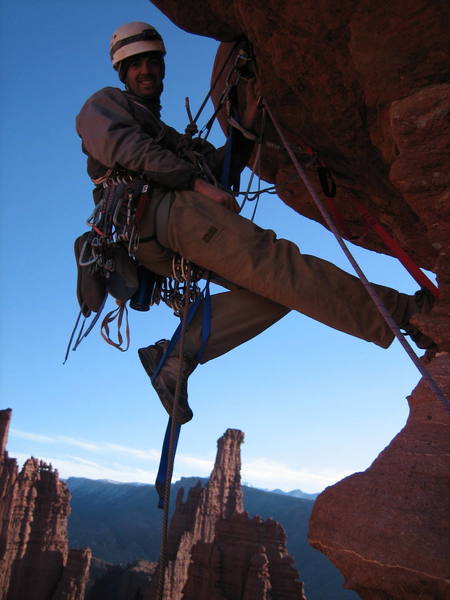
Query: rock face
x=365 y=85
x=393 y=538
x=36 y=563
x=216 y=551
x=361 y=83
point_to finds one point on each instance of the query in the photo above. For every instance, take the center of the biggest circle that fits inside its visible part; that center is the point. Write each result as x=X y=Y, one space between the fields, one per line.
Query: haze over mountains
x=121 y=523
x=295 y=493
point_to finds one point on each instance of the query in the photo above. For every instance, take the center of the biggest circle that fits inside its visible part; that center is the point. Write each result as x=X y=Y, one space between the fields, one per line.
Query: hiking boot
x=423 y=302
x=166 y=380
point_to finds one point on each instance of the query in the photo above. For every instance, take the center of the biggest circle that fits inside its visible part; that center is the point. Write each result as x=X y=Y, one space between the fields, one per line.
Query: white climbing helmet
x=134 y=38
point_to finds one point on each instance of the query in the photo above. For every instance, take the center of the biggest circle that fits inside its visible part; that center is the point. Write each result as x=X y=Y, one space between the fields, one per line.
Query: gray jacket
x=118 y=130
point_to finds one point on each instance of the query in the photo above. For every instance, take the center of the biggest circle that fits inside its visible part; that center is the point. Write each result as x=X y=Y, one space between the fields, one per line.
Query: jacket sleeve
x=112 y=136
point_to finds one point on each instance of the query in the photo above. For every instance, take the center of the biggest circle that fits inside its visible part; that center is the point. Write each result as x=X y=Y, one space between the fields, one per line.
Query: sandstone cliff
x=393 y=538
x=365 y=84
x=35 y=562
x=216 y=551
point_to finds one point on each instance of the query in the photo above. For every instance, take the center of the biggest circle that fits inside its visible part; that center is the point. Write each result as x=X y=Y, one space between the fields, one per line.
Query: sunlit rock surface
x=216 y=551
x=35 y=561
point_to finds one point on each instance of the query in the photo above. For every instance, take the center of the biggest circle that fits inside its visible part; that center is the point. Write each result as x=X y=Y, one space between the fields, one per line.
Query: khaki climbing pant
x=268 y=277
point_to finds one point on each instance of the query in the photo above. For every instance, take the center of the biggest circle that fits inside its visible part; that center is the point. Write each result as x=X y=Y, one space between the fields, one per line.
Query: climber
x=265 y=277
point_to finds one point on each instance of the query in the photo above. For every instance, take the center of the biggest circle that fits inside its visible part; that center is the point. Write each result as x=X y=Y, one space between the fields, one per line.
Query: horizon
x=198 y=477
x=92 y=471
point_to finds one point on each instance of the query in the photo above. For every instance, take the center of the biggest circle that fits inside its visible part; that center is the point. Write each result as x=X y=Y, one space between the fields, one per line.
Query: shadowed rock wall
x=365 y=85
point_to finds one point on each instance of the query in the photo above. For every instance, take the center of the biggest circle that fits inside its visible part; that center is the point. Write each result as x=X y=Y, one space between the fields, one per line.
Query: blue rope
x=204 y=297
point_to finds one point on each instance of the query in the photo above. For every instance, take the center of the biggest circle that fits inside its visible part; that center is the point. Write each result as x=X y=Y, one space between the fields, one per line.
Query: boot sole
x=150 y=361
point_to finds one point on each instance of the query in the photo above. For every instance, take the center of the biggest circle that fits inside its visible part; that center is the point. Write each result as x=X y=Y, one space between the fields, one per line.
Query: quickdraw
x=183 y=286
x=116 y=217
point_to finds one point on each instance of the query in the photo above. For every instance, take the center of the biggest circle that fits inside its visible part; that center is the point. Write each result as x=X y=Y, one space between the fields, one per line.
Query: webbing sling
x=204 y=297
x=397 y=250
x=82 y=334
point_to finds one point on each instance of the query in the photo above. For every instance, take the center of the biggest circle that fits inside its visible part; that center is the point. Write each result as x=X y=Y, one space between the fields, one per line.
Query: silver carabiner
x=133 y=244
x=116 y=211
x=98 y=208
x=85 y=263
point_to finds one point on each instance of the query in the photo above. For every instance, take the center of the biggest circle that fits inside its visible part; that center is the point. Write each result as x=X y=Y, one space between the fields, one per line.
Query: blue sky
x=315 y=404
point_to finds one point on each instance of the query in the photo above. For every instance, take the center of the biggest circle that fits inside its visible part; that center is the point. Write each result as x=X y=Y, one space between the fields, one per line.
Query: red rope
x=369 y=288
x=373 y=223
x=396 y=249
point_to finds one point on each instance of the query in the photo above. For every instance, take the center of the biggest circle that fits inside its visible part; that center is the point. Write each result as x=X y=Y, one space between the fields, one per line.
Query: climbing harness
x=105 y=254
x=107 y=265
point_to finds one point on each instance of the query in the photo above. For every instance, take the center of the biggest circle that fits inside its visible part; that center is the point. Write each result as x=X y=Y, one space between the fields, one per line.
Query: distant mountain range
x=295 y=493
x=121 y=523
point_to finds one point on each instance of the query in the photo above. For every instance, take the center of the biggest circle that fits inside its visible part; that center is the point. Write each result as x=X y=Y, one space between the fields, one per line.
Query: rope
x=367 y=285
x=256 y=164
x=215 y=82
x=173 y=438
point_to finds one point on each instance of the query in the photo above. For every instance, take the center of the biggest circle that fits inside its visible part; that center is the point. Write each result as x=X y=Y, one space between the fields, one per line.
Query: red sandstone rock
x=5 y=419
x=248 y=559
x=34 y=556
x=362 y=84
x=365 y=85
x=75 y=576
x=216 y=551
x=388 y=529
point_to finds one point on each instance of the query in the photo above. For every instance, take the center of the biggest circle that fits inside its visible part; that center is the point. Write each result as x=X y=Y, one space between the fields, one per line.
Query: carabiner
x=85 y=263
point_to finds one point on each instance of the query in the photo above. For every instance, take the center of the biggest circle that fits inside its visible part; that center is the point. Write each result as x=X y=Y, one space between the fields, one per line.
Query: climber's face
x=145 y=75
